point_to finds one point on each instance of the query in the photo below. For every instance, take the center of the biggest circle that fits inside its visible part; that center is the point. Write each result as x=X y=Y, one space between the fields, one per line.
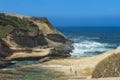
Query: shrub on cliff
x=5 y=30
x=24 y=31
x=8 y=23
x=109 y=67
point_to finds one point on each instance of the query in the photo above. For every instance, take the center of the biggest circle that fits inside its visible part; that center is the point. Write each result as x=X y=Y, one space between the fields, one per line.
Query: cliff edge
x=28 y=35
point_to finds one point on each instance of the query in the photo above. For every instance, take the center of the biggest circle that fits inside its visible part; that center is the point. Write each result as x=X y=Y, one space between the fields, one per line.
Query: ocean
x=90 y=41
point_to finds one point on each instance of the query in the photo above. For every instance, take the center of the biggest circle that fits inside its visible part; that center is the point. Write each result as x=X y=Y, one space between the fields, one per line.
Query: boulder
x=61 y=51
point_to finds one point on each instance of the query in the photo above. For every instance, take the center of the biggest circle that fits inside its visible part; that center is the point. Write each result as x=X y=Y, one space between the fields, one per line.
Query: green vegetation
x=109 y=67
x=5 y=30
x=39 y=76
x=8 y=23
x=31 y=75
x=35 y=76
x=43 y=19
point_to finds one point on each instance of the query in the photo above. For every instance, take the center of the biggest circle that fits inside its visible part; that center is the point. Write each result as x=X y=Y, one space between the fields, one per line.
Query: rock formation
x=108 y=67
x=27 y=34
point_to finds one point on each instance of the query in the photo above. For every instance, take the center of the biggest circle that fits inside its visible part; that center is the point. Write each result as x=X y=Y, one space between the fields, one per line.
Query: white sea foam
x=89 y=48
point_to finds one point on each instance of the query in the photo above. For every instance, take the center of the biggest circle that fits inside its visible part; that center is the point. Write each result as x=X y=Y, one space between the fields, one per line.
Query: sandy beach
x=73 y=68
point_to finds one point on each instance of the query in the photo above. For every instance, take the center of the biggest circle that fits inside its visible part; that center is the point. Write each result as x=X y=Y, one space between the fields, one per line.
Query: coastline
x=72 y=68
x=50 y=47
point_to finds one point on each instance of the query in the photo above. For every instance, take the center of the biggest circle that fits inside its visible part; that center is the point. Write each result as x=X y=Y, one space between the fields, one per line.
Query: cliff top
x=9 y=22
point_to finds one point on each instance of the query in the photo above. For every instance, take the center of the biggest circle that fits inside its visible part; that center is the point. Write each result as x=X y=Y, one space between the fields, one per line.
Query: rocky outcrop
x=4 y=63
x=4 y=49
x=35 y=54
x=61 y=51
x=108 y=67
x=4 y=52
x=27 y=34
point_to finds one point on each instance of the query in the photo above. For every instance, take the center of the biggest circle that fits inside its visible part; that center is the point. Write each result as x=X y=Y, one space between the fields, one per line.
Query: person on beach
x=75 y=72
x=70 y=69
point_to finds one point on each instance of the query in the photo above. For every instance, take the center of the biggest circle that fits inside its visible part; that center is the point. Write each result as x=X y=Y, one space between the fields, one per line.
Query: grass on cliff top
x=17 y=23
x=109 y=67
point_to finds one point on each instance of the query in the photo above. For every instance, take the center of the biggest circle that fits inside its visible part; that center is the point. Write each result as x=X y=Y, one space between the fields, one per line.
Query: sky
x=65 y=13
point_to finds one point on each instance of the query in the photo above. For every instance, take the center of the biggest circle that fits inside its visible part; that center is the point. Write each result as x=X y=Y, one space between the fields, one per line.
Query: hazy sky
x=68 y=12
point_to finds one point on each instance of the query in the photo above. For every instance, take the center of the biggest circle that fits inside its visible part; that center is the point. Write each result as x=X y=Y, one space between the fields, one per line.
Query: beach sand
x=73 y=68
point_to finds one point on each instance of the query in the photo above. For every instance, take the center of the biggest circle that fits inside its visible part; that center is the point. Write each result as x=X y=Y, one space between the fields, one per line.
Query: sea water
x=90 y=41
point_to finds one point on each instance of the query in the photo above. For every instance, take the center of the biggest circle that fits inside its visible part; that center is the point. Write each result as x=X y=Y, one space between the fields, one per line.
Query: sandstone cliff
x=25 y=34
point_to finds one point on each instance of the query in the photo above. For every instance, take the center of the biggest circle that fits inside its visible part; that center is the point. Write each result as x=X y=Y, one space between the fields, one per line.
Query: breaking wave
x=85 y=46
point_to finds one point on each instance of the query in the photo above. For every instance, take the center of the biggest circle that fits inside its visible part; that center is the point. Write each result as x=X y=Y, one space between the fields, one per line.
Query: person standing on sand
x=75 y=72
x=70 y=69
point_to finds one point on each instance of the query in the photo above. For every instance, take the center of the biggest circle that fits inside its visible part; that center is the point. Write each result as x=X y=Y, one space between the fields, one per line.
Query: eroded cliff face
x=4 y=49
x=19 y=33
x=4 y=52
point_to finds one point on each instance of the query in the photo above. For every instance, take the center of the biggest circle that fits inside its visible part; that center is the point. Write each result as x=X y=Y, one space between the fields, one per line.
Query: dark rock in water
x=61 y=51
x=4 y=63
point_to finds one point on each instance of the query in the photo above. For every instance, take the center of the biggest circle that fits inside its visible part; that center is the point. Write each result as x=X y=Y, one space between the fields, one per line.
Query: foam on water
x=91 y=41
x=85 y=46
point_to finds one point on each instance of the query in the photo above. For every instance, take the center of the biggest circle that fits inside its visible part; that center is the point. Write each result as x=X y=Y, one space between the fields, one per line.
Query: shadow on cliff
x=4 y=49
x=26 y=39
x=4 y=52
